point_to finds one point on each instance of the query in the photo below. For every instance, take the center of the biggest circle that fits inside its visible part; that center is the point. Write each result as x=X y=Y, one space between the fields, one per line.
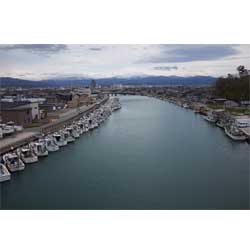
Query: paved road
x=16 y=140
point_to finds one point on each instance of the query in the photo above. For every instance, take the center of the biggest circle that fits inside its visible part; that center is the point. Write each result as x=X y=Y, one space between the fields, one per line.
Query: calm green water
x=148 y=155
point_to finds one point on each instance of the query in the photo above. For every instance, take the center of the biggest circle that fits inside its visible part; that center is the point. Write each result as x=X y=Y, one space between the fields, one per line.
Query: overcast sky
x=42 y=61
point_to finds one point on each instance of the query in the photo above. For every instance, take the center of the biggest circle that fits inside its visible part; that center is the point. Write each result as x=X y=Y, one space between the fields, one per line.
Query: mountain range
x=85 y=81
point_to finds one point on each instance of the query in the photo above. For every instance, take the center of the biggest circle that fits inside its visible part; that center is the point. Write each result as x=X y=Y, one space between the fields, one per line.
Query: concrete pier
x=18 y=140
x=67 y=120
x=25 y=137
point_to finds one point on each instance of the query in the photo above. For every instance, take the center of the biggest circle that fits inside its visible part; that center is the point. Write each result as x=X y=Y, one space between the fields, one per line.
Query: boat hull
x=209 y=119
x=16 y=169
x=4 y=175
x=235 y=138
x=61 y=143
x=28 y=160
x=46 y=153
x=52 y=149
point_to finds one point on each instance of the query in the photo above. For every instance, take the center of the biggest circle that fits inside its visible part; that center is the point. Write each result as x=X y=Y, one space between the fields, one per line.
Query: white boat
x=13 y=162
x=50 y=144
x=114 y=104
x=235 y=134
x=86 y=126
x=4 y=173
x=27 y=155
x=95 y=123
x=81 y=127
x=75 y=131
x=39 y=148
x=220 y=124
x=59 y=140
x=67 y=136
x=210 y=117
x=90 y=124
x=1 y=133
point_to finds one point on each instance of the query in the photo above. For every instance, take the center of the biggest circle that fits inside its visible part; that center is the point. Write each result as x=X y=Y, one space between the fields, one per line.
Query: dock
x=20 y=139
x=16 y=141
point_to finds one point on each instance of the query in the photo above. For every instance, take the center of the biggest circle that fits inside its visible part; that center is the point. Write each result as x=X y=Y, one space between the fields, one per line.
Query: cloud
x=35 y=48
x=190 y=53
x=95 y=48
x=117 y=59
x=166 y=68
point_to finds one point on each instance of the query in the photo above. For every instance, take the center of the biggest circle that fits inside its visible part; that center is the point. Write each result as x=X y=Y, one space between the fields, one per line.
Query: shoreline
x=20 y=139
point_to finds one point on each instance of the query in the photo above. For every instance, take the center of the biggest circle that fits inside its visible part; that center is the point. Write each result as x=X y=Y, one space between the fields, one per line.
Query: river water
x=148 y=155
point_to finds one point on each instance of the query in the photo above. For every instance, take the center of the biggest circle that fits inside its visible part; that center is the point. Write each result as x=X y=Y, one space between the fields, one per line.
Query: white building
x=243 y=122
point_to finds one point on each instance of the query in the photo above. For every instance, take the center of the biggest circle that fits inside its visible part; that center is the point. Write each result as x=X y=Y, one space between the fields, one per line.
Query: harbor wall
x=23 y=138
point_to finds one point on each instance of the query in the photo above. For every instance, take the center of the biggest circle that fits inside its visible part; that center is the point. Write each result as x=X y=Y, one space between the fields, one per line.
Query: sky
x=46 y=61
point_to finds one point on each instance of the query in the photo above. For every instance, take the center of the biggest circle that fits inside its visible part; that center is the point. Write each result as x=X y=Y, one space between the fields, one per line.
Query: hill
x=142 y=80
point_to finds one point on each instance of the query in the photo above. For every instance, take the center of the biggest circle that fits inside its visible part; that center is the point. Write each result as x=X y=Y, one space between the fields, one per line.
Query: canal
x=148 y=155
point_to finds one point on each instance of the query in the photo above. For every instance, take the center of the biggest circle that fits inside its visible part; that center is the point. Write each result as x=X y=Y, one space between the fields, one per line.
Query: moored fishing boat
x=59 y=139
x=210 y=117
x=39 y=148
x=13 y=162
x=234 y=133
x=68 y=134
x=75 y=131
x=80 y=126
x=90 y=124
x=50 y=144
x=27 y=155
x=220 y=124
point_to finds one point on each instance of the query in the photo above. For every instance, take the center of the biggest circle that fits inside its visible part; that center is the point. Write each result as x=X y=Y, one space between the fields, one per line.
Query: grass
x=215 y=106
x=238 y=111
x=233 y=111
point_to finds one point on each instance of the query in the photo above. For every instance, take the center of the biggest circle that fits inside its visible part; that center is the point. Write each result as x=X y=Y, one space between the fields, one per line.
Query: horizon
x=77 y=78
x=37 y=62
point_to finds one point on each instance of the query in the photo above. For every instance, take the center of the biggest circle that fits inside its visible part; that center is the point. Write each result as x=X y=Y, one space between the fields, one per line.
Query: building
x=230 y=104
x=74 y=102
x=245 y=103
x=64 y=97
x=34 y=110
x=18 y=112
x=242 y=122
x=92 y=85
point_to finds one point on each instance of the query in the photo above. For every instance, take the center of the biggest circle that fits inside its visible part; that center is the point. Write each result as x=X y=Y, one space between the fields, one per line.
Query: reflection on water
x=148 y=155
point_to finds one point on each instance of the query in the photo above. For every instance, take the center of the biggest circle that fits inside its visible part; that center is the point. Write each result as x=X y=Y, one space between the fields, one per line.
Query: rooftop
x=13 y=105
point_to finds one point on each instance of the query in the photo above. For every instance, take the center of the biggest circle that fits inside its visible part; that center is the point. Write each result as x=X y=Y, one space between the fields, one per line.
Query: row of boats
x=231 y=129
x=30 y=153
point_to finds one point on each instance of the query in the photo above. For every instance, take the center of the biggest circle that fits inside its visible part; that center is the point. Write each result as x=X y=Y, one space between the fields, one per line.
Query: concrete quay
x=16 y=141
x=28 y=135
